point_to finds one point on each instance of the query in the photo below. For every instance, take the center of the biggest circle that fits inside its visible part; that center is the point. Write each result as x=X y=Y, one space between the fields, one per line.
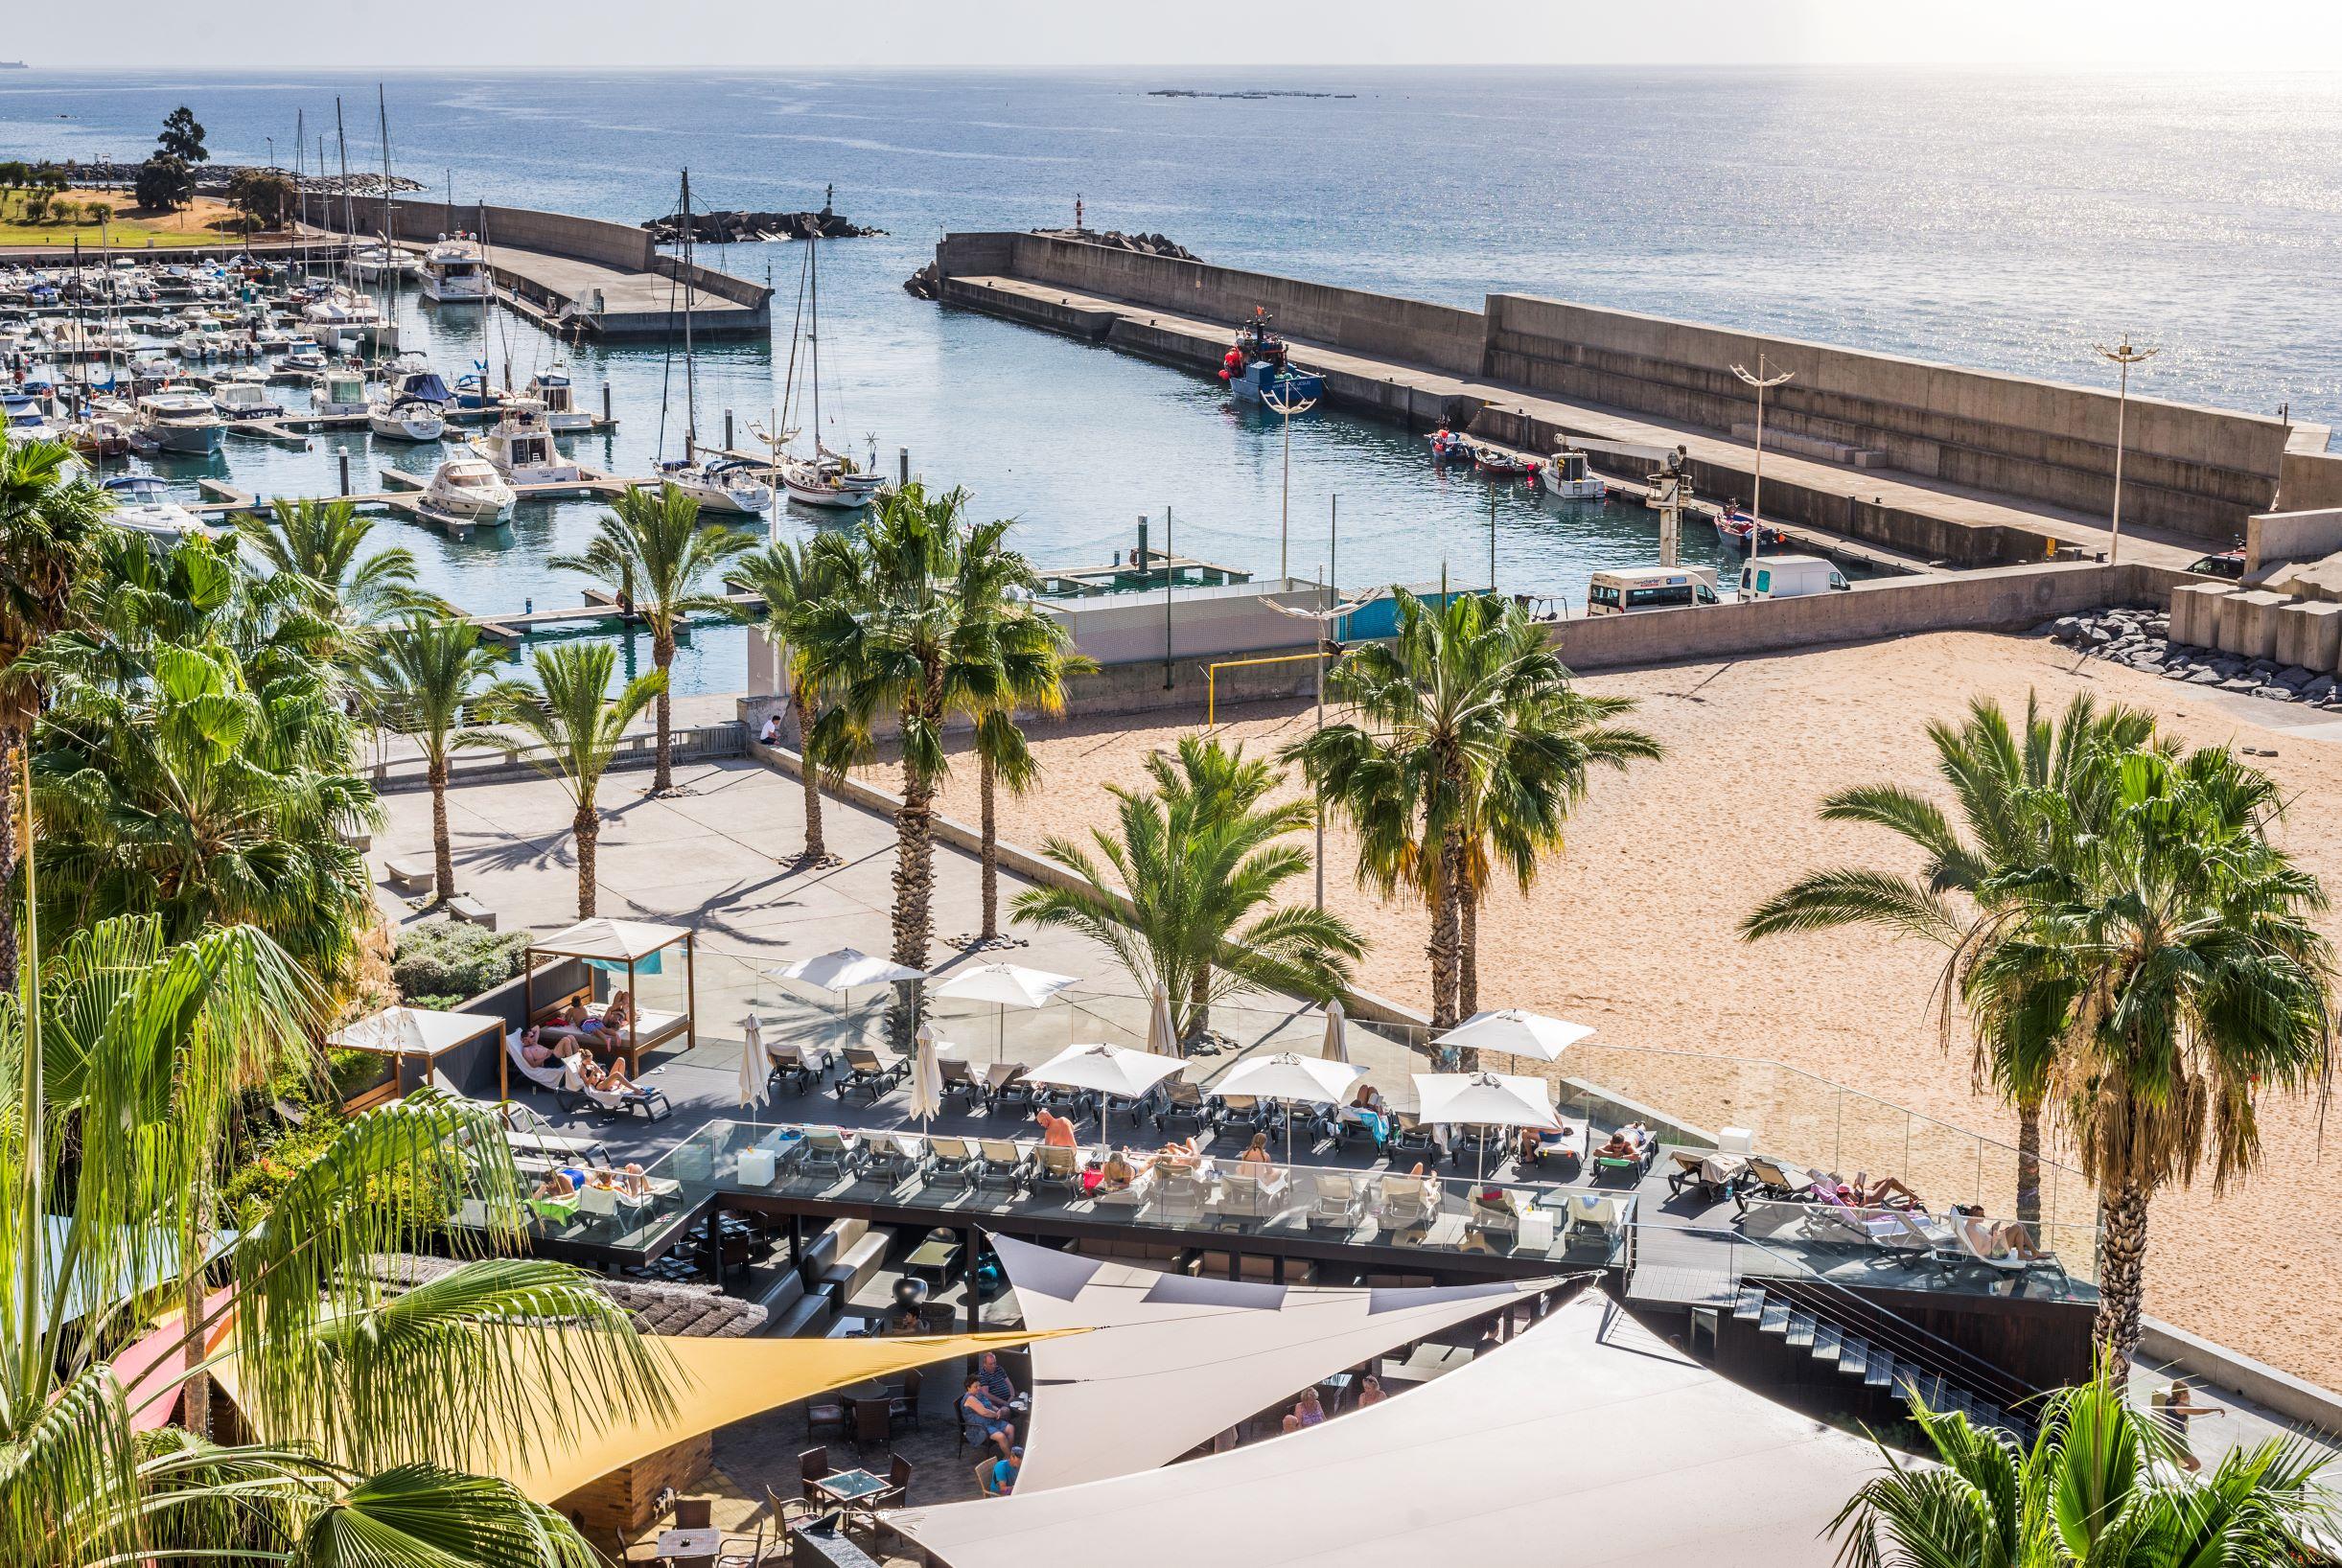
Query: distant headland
x=1250 y=92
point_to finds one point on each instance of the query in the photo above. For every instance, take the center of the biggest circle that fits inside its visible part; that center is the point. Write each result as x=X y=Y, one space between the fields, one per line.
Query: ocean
x=1999 y=220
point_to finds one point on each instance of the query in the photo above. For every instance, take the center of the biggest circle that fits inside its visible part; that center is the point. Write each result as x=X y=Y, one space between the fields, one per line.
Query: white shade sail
x=848 y=969
x=1584 y=1443
x=1517 y=1033
x=1107 y=1070
x=926 y=1078
x=1336 y=1046
x=1198 y=1355
x=614 y=941
x=1286 y=1075
x=1009 y=984
x=1484 y=1099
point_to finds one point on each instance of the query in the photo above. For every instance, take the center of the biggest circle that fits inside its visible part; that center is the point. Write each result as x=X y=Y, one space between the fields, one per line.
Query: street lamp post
x=2126 y=356
x=1756 y=492
x=1288 y=405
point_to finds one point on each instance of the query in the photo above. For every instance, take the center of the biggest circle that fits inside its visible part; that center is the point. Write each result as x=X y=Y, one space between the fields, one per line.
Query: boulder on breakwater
x=729 y=228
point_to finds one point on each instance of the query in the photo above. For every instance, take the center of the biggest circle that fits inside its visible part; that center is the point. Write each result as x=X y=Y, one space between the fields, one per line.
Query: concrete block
x=2309 y=635
x=2248 y=623
x=2194 y=613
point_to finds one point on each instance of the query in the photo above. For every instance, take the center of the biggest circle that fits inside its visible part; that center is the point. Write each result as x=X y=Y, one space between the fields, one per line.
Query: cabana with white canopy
x=635 y=948
x=1584 y=1441
x=415 y=1039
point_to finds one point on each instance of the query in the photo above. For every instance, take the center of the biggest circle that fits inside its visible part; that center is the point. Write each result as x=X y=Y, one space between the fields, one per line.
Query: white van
x=1790 y=577
x=1623 y=590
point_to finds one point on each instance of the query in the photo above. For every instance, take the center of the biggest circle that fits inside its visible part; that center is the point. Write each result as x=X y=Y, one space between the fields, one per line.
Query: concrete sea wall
x=558 y=234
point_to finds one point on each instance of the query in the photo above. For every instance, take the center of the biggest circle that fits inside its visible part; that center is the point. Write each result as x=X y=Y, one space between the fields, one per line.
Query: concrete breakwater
x=1965 y=466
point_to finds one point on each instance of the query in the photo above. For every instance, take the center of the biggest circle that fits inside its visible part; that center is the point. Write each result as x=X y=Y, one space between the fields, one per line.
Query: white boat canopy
x=1196 y=1354
x=1584 y=1442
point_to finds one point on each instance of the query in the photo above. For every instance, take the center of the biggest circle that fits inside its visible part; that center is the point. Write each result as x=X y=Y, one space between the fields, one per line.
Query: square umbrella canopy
x=1009 y=984
x=1290 y=1076
x=848 y=969
x=422 y=1033
x=1106 y=1070
x=1515 y=1034
x=1484 y=1099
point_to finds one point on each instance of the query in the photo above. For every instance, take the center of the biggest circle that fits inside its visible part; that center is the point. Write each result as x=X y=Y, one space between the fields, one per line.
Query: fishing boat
x=520 y=445
x=340 y=391
x=731 y=484
x=1259 y=368
x=1565 y=475
x=403 y=417
x=142 y=503
x=454 y=272
x=552 y=389
x=1449 y=445
x=468 y=488
x=1499 y=464
x=177 y=421
x=1734 y=529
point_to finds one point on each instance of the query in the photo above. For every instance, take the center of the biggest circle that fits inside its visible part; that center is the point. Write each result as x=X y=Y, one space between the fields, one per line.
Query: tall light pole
x=1757 y=490
x=2126 y=356
x=1288 y=405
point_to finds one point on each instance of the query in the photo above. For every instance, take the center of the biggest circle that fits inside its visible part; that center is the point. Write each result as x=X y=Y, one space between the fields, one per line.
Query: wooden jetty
x=600 y=609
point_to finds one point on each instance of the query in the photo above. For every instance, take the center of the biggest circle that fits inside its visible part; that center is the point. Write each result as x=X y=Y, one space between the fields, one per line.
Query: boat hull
x=1257 y=385
x=398 y=427
x=836 y=501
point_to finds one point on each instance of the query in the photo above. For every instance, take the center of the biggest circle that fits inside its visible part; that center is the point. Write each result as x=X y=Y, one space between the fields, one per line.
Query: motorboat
x=1449 y=445
x=305 y=354
x=244 y=400
x=1499 y=464
x=455 y=272
x=553 y=389
x=1259 y=368
x=340 y=391
x=470 y=488
x=205 y=339
x=105 y=430
x=521 y=446
x=28 y=419
x=376 y=262
x=728 y=484
x=142 y=503
x=1565 y=475
x=1734 y=529
x=152 y=367
x=341 y=311
x=404 y=418
x=176 y=420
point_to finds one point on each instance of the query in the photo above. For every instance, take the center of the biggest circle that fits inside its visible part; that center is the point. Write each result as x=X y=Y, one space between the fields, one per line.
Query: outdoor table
x=699 y=1545
x=934 y=1262
x=850 y=1487
x=871 y=1390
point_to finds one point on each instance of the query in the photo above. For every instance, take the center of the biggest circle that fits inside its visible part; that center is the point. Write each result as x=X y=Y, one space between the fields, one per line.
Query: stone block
x=2248 y=623
x=2194 y=612
x=2309 y=634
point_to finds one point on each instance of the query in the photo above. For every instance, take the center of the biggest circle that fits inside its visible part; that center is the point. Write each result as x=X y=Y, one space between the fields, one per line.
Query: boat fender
x=1223 y=372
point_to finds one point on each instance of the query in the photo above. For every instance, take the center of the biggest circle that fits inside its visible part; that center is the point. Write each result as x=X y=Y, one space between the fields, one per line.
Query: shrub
x=449 y=959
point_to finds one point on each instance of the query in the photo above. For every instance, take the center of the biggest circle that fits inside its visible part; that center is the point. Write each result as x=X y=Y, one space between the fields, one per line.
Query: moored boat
x=403 y=417
x=520 y=444
x=1259 y=368
x=1565 y=475
x=177 y=421
x=730 y=484
x=142 y=503
x=468 y=488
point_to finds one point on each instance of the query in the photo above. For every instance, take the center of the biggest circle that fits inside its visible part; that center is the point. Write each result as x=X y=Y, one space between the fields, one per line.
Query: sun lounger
x=959 y=1079
x=956 y=1157
x=1007 y=1087
x=527 y=1133
x=1250 y=1195
x=794 y=1067
x=1493 y=1220
x=1763 y=1177
x=1410 y=1136
x=1142 y=1187
x=1963 y=1251
x=1233 y=1112
x=1593 y=1217
x=1408 y=1201
x=867 y=1070
x=1179 y=1198
x=828 y=1153
x=1005 y=1165
x=895 y=1157
x=640 y=1101
x=1058 y=1166
x=553 y=1074
x=1338 y=1200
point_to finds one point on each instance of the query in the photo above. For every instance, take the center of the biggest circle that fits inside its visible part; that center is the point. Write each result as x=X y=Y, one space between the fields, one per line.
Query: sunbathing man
x=1056 y=1131
x=1179 y=1154
x=533 y=1050
x=1619 y=1147
x=555 y=1184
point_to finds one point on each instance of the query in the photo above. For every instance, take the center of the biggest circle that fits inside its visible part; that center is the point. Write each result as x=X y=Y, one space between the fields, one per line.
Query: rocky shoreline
x=212 y=179
x=2142 y=638
x=924 y=283
x=734 y=228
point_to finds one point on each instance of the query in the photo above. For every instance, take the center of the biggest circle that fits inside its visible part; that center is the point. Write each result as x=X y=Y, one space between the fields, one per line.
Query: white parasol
x=1106 y=1070
x=1337 y=1047
x=752 y=1065
x=1483 y=1099
x=1515 y=1034
x=1289 y=1077
x=926 y=1078
x=1008 y=984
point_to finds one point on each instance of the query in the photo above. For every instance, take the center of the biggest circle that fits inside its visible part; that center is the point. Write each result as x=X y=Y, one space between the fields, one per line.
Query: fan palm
x=422 y=673
x=790 y=580
x=2010 y=787
x=926 y=626
x=565 y=725
x=652 y=551
x=1473 y=748
x=2098 y=1486
x=1185 y=893
x=2170 y=946
x=120 y=1070
x=50 y=522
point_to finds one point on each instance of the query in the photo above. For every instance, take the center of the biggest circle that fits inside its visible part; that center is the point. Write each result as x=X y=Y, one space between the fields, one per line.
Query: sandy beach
x=1632 y=929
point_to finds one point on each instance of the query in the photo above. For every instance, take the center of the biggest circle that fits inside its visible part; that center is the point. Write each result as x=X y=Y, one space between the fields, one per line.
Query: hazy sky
x=507 y=34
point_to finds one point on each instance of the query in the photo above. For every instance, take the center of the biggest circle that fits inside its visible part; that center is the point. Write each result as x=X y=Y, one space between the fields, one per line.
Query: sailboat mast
x=390 y=265
x=349 y=208
x=300 y=182
x=813 y=334
x=691 y=405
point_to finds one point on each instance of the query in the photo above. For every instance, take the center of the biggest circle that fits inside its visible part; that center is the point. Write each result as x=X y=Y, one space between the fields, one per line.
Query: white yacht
x=823 y=483
x=521 y=446
x=244 y=400
x=375 y=262
x=454 y=272
x=342 y=309
x=340 y=391
x=142 y=503
x=403 y=417
x=552 y=389
x=176 y=420
x=303 y=353
x=727 y=485
x=468 y=488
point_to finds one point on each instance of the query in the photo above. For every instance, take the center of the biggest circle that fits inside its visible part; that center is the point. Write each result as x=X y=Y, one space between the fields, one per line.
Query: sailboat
x=730 y=484
x=826 y=478
x=408 y=408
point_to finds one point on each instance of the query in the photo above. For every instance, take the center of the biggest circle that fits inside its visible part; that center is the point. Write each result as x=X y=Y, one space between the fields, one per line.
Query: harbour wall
x=2200 y=472
x=417 y=221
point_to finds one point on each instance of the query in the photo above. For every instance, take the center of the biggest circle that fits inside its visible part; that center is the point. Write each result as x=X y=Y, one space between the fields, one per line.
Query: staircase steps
x=1828 y=1337
x=1853 y=1354
x=1775 y=1318
x=1880 y=1371
x=1801 y=1326
x=1750 y=1303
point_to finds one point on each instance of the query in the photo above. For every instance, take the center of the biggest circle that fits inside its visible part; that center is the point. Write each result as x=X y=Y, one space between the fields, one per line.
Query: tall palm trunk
x=12 y=732
x=1446 y=939
x=814 y=845
x=587 y=826
x=662 y=655
x=988 y=856
x=2122 y=1274
x=2028 y=1163
x=913 y=881
x=443 y=852
x=1198 y=1006
x=1467 y=977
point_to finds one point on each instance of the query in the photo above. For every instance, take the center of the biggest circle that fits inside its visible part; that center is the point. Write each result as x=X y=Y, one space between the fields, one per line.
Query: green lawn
x=125 y=230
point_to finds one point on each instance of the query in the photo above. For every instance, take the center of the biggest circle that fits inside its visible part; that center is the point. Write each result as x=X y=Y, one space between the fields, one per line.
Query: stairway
x=1876 y=1366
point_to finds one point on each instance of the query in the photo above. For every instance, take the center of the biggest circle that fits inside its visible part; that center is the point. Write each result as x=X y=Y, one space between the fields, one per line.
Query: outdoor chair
x=897 y=1488
x=1180 y=1096
x=873 y=1422
x=1239 y=1112
x=1055 y=1166
x=867 y=1070
x=955 y=1157
x=792 y=1068
x=1591 y=1215
x=1488 y=1145
x=1412 y=1136
x=826 y=1410
x=1407 y=1202
x=1005 y=1165
x=1493 y=1218
x=905 y=1399
x=1134 y=1196
x=959 y=1079
x=828 y=1153
x=1352 y=1129
x=1706 y=1172
x=555 y=1075
x=896 y=1156
x=694 y=1513
x=1962 y=1250
x=1338 y=1200
x=1010 y=1091
x=1616 y=1167
x=560 y=1212
x=1250 y=1196
x=640 y=1101
x=1763 y=1177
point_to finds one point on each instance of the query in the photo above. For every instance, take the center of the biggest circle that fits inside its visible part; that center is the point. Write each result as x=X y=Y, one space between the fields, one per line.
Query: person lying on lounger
x=610 y=1080
x=555 y=1184
x=1179 y=1154
x=1619 y=1147
x=1997 y=1241
x=1887 y=1192
x=1118 y=1173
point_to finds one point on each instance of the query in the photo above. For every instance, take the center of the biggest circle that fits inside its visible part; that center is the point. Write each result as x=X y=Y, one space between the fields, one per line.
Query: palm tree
x=1035 y=655
x=422 y=673
x=565 y=725
x=1473 y=744
x=923 y=629
x=321 y=545
x=1185 y=895
x=120 y=1075
x=2005 y=784
x=2170 y=947
x=49 y=521
x=2098 y=1486
x=653 y=552
x=790 y=580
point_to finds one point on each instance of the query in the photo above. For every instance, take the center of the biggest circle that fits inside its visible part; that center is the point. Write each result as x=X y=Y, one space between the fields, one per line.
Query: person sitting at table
x=1290 y=1423
x=998 y=1386
x=997 y=1477
x=1370 y=1390
x=984 y=1422
x=1118 y=1173
x=1056 y=1131
x=1308 y=1408
x=1256 y=1154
